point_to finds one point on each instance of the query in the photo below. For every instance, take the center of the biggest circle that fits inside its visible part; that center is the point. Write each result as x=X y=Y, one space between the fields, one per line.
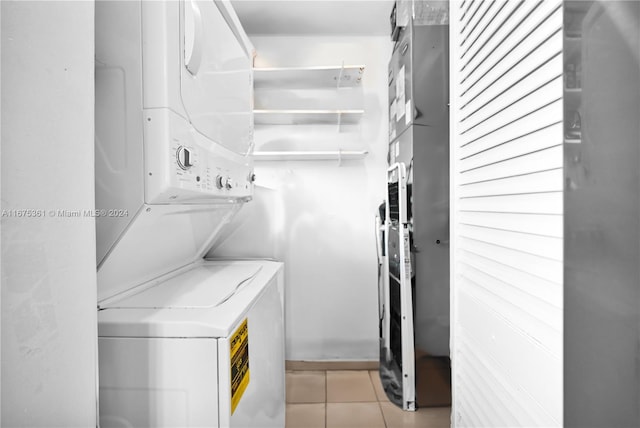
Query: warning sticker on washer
x=239 y=351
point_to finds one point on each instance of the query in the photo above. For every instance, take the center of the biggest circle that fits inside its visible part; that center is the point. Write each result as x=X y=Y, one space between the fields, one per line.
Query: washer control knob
x=184 y=157
x=229 y=183
x=219 y=182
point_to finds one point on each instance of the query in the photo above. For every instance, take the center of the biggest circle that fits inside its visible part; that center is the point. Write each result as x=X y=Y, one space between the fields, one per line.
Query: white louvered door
x=507 y=212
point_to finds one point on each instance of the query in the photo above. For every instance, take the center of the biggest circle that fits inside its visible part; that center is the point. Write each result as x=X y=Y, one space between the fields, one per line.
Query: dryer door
x=216 y=75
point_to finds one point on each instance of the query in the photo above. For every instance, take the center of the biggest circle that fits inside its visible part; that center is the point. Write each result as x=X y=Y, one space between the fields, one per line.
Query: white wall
x=318 y=216
x=507 y=213
x=48 y=262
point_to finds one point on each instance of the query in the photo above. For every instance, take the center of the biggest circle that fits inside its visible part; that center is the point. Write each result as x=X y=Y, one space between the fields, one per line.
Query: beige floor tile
x=349 y=386
x=305 y=415
x=428 y=417
x=377 y=385
x=306 y=387
x=354 y=415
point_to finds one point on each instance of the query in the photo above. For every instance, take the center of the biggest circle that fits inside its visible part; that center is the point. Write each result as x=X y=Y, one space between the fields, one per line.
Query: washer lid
x=207 y=301
x=204 y=287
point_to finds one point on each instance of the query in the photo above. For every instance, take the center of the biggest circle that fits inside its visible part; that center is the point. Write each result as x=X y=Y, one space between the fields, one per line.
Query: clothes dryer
x=174 y=128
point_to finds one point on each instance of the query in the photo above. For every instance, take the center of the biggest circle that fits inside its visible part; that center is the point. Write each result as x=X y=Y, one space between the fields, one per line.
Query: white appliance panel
x=153 y=382
x=261 y=404
x=217 y=76
x=211 y=172
x=161 y=55
x=118 y=118
x=160 y=239
x=205 y=286
x=162 y=367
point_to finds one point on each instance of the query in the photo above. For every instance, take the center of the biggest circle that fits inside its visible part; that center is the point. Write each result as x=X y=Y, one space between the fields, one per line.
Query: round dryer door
x=216 y=77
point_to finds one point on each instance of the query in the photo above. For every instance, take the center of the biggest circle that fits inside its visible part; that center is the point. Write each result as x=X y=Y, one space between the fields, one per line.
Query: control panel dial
x=219 y=182
x=184 y=157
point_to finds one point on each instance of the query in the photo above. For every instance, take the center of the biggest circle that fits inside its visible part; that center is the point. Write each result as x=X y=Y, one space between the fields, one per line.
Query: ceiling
x=314 y=17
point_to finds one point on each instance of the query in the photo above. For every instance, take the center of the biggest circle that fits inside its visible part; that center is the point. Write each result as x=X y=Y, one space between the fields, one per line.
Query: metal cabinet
x=414 y=357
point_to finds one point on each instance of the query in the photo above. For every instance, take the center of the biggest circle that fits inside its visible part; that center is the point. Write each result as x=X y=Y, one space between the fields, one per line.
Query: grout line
x=384 y=420
x=326 y=398
x=375 y=391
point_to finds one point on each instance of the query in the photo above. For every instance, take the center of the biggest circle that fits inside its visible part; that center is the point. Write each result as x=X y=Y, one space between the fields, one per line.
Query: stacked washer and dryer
x=182 y=341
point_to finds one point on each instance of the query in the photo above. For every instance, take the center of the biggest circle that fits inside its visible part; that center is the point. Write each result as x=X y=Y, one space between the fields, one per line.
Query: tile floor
x=350 y=399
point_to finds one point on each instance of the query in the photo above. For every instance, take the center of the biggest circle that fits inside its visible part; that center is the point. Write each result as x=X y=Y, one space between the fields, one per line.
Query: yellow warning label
x=239 y=350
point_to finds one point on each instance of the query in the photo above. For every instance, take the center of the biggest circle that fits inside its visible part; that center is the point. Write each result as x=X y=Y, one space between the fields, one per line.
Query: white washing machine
x=204 y=348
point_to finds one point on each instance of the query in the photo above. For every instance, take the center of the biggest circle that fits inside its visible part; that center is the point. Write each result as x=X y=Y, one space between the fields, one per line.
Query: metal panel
x=430 y=195
x=419 y=114
x=430 y=68
x=425 y=150
x=419 y=90
x=507 y=214
x=602 y=211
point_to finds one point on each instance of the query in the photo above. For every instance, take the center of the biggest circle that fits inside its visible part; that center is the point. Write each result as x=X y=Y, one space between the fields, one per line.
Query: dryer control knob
x=219 y=182
x=184 y=157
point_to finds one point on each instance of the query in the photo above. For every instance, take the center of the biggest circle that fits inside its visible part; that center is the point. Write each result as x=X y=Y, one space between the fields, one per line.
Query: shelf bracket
x=340 y=76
